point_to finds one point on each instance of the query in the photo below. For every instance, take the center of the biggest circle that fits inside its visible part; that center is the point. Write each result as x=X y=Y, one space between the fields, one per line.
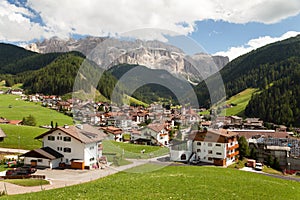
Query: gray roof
x=86 y=134
x=45 y=152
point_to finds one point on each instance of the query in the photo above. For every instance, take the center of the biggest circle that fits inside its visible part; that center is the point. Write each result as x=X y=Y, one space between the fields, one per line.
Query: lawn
x=11 y=107
x=133 y=150
x=177 y=182
x=241 y=100
x=270 y=170
x=27 y=182
x=21 y=137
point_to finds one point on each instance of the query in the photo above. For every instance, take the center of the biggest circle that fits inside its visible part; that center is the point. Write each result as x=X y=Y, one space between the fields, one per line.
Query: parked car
x=20 y=171
x=258 y=166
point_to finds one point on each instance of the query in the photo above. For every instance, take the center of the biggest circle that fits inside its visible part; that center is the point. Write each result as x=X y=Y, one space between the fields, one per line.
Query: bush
x=29 y=121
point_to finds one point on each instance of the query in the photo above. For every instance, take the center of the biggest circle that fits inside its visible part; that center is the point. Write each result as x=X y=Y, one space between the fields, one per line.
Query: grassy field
x=27 y=182
x=241 y=100
x=133 y=150
x=132 y=100
x=21 y=137
x=270 y=170
x=11 y=108
x=177 y=182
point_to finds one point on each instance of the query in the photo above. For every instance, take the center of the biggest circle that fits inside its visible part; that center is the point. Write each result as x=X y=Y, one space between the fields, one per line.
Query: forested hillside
x=274 y=69
x=11 y=53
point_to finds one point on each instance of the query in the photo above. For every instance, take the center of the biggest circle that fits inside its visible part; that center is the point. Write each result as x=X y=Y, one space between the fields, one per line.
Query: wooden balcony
x=233 y=154
x=233 y=147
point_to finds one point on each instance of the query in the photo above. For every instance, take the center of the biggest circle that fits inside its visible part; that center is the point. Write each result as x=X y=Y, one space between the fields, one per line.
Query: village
x=190 y=136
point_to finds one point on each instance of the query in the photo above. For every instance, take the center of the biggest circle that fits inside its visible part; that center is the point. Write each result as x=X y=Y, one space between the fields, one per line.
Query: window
x=40 y=160
x=218 y=153
x=57 y=137
x=92 y=147
x=210 y=152
x=67 y=150
x=209 y=158
x=67 y=139
x=91 y=159
x=218 y=145
x=198 y=150
x=199 y=143
x=50 y=137
x=59 y=148
x=209 y=144
x=67 y=160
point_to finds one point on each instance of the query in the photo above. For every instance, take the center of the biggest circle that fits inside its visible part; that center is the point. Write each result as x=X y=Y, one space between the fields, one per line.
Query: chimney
x=66 y=126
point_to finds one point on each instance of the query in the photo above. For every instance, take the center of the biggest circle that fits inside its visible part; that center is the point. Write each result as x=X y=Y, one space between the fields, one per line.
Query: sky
x=221 y=27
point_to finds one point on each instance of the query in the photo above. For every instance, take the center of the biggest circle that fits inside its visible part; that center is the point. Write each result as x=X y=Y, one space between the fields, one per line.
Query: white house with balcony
x=68 y=145
x=217 y=147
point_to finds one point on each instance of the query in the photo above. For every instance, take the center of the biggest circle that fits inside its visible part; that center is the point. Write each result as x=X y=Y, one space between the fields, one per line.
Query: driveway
x=291 y=178
x=61 y=178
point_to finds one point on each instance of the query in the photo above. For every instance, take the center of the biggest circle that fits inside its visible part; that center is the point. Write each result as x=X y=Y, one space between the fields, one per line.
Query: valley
x=158 y=117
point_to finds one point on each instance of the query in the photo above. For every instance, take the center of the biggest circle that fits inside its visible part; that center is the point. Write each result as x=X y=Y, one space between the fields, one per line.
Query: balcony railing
x=232 y=147
x=233 y=154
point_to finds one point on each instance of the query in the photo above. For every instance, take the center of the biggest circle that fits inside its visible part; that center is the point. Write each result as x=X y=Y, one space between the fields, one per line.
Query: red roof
x=251 y=134
x=15 y=122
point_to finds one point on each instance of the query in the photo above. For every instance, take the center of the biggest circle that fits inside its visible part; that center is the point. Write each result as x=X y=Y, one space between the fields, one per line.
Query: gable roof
x=86 y=134
x=261 y=133
x=156 y=127
x=45 y=152
x=112 y=130
x=211 y=135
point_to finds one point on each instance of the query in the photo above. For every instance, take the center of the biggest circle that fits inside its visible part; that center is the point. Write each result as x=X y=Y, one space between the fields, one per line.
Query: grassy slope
x=20 y=109
x=241 y=99
x=26 y=134
x=27 y=182
x=180 y=182
x=133 y=150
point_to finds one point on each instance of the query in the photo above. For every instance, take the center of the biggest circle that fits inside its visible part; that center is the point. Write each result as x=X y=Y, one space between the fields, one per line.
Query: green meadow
x=13 y=108
x=21 y=137
x=241 y=100
x=176 y=182
x=133 y=150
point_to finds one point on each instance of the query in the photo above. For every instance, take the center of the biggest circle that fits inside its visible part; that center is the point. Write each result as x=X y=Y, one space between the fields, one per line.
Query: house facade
x=153 y=134
x=113 y=133
x=217 y=147
x=76 y=144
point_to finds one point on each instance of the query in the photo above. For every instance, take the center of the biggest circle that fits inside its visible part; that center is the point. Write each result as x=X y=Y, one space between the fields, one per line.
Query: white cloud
x=115 y=16
x=234 y=52
x=15 y=24
x=104 y=17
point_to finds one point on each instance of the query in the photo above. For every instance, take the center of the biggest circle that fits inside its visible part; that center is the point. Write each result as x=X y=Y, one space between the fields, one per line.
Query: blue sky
x=228 y=27
x=218 y=35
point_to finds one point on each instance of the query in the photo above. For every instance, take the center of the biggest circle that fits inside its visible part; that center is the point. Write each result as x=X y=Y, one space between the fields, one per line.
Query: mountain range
x=273 y=69
x=109 y=52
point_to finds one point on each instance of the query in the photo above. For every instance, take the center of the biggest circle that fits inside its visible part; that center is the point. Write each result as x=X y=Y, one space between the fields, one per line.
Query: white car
x=258 y=166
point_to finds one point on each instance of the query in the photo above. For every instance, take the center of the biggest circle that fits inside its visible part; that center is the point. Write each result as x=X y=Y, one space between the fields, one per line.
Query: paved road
x=249 y=169
x=67 y=177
